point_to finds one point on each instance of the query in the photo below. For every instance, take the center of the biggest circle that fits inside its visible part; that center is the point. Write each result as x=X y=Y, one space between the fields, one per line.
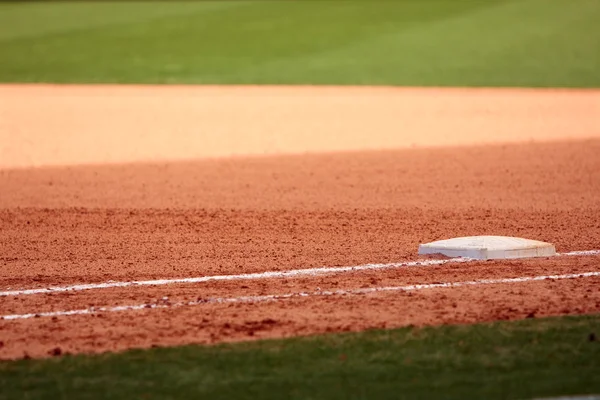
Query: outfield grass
x=505 y=360
x=381 y=42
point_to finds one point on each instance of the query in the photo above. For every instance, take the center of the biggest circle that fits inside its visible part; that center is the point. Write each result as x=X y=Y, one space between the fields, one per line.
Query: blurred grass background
x=371 y=42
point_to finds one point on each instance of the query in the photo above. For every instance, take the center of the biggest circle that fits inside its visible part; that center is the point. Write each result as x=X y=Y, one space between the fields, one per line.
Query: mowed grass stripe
x=380 y=42
x=503 y=360
x=52 y=18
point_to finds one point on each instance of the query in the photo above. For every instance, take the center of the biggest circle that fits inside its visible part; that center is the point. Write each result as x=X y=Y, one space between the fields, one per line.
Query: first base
x=489 y=248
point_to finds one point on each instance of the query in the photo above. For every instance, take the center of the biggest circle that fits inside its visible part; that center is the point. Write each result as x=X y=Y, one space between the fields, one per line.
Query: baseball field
x=224 y=199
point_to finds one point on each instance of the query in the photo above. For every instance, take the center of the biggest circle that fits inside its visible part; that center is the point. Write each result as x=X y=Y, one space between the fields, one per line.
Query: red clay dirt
x=132 y=183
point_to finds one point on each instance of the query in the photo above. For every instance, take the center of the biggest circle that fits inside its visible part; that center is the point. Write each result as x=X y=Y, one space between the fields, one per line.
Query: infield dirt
x=104 y=183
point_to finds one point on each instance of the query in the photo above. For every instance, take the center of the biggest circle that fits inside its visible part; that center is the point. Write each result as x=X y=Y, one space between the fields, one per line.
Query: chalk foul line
x=258 y=275
x=279 y=297
x=261 y=275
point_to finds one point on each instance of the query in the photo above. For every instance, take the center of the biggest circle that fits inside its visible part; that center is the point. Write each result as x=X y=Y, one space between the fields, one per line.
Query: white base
x=488 y=248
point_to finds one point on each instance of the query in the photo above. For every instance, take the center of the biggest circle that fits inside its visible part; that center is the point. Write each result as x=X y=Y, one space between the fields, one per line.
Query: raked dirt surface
x=121 y=183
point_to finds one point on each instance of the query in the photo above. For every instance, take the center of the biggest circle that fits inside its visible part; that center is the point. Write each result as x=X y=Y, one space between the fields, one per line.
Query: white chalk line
x=295 y=273
x=258 y=275
x=277 y=297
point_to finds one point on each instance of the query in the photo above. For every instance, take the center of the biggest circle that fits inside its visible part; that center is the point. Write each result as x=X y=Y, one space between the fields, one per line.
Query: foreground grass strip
x=524 y=359
x=375 y=42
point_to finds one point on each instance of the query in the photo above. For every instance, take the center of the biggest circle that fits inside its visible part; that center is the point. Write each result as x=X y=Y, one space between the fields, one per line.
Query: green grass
x=505 y=360
x=380 y=42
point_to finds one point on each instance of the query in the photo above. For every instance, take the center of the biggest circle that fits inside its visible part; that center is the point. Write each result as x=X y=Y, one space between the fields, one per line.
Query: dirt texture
x=108 y=183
